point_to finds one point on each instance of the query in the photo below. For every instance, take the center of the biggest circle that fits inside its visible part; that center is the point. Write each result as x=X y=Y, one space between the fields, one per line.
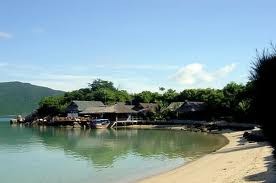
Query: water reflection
x=98 y=155
x=104 y=146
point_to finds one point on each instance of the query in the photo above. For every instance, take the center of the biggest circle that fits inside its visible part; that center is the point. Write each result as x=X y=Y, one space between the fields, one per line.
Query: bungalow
x=146 y=107
x=174 y=106
x=114 y=112
x=76 y=107
x=188 y=110
x=96 y=109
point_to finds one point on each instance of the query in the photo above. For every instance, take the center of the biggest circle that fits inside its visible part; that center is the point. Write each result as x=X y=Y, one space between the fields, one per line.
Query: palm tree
x=263 y=78
x=162 y=89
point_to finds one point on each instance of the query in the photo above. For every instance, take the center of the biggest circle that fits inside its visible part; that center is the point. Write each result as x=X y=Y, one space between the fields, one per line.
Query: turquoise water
x=55 y=155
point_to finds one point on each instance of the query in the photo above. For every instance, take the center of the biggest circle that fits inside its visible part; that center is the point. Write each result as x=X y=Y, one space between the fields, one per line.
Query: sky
x=137 y=44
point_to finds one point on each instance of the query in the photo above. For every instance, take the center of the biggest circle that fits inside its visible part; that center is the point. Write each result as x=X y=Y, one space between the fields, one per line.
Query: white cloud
x=63 y=82
x=69 y=78
x=5 y=35
x=75 y=82
x=196 y=74
x=224 y=71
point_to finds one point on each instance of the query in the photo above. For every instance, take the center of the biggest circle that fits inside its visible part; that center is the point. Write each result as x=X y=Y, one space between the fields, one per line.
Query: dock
x=124 y=123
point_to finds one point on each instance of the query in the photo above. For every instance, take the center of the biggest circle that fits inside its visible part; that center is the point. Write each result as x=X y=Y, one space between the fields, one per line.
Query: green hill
x=22 y=98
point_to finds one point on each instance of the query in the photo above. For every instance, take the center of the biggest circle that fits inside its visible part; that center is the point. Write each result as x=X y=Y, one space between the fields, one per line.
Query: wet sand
x=237 y=162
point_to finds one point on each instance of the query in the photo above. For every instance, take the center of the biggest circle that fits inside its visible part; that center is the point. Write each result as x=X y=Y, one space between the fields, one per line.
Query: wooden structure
x=146 y=107
x=77 y=107
x=174 y=106
x=114 y=112
x=96 y=109
x=188 y=110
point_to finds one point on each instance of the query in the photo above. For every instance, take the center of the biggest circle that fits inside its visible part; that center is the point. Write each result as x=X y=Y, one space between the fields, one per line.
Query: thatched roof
x=146 y=107
x=128 y=106
x=189 y=106
x=83 y=105
x=174 y=106
x=120 y=108
x=117 y=109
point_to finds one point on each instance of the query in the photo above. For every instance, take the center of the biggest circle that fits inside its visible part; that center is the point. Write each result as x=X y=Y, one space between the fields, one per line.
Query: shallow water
x=32 y=155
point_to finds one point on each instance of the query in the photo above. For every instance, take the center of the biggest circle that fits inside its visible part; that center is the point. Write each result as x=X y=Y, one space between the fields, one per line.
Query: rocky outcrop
x=255 y=136
x=76 y=125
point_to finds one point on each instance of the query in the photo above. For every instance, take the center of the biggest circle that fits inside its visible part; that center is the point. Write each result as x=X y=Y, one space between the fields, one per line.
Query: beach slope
x=237 y=162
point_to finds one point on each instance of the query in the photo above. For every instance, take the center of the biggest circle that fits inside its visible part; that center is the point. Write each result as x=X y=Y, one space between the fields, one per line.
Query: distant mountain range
x=22 y=98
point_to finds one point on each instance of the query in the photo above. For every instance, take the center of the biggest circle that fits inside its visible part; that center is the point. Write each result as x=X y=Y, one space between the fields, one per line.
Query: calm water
x=32 y=155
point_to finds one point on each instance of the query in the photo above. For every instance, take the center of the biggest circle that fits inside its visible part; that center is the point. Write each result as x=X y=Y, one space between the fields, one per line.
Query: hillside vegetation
x=22 y=98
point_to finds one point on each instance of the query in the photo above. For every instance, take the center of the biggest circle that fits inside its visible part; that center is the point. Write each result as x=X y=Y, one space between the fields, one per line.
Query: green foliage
x=99 y=90
x=51 y=106
x=169 y=96
x=122 y=96
x=162 y=89
x=232 y=94
x=263 y=76
x=101 y=84
x=233 y=100
x=22 y=98
x=147 y=97
x=106 y=95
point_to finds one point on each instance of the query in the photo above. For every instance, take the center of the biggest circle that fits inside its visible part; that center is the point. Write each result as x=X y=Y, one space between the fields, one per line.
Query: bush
x=263 y=77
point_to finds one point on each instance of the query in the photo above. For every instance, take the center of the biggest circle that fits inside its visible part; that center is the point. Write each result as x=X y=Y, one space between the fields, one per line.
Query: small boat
x=100 y=123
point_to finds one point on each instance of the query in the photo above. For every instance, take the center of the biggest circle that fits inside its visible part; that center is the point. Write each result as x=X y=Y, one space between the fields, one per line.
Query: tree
x=234 y=100
x=106 y=95
x=170 y=96
x=162 y=89
x=51 y=106
x=100 y=84
x=122 y=96
x=263 y=78
x=146 y=97
x=232 y=97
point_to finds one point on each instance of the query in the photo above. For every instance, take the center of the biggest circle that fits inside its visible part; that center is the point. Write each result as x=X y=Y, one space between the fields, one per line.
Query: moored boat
x=100 y=123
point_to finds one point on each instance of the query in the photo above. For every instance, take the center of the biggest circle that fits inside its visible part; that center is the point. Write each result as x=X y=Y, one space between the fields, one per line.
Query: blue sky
x=137 y=44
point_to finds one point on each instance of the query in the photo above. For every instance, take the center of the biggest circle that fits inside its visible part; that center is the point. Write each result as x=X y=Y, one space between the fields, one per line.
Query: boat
x=100 y=123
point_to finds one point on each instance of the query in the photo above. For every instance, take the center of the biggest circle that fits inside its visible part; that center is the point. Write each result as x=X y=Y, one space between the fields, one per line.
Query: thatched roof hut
x=146 y=107
x=187 y=110
x=118 y=108
x=80 y=106
x=128 y=106
x=114 y=112
x=189 y=106
x=174 y=106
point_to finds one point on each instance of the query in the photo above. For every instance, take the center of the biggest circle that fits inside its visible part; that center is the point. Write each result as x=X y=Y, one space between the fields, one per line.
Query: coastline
x=238 y=161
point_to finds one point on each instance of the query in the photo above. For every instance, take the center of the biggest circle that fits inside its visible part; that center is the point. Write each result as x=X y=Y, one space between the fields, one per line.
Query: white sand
x=237 y=162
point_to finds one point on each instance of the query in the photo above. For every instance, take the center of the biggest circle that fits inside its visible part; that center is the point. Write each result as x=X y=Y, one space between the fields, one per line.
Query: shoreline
x=238 y=161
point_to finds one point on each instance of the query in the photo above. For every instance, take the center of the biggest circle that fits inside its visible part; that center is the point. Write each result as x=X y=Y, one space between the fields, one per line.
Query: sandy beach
x=239 y=161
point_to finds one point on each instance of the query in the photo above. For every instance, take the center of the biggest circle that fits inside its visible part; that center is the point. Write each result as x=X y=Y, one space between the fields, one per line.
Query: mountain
x=22 y=98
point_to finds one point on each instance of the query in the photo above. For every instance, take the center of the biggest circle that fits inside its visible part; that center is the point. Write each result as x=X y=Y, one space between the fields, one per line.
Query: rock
x=204 y=129
x=34 y=123
x=13 y=121
x=19 y=119
x=255 y=136
x=246 y=134
x=68 y=126
x=76 y=125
